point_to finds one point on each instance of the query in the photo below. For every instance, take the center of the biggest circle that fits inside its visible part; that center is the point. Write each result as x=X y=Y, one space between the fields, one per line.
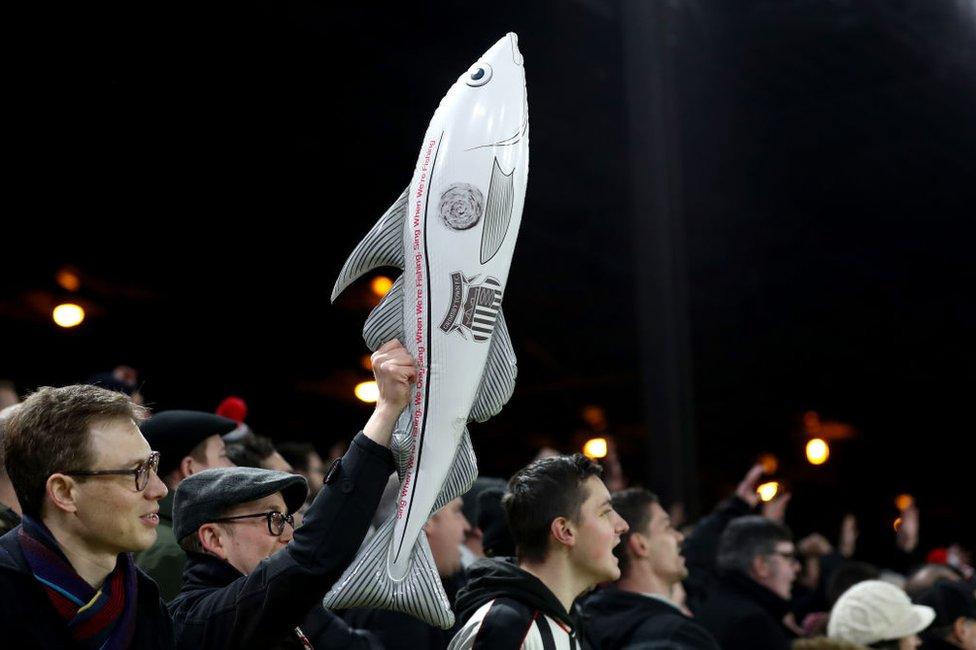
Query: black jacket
x=611 y=619
x=28 y=619
x=523 y=612
x=744 y=615
x=220 y=608
x=701 y=548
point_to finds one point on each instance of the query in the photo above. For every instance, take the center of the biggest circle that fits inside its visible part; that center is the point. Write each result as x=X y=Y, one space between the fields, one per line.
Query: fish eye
x=478 y=75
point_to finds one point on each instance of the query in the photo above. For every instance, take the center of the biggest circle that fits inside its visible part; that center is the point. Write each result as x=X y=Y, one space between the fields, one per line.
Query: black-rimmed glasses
x=276 y=521
x=141 y=472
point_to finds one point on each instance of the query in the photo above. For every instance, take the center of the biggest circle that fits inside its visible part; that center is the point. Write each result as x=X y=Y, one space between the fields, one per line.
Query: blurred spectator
x=8 y=394
x=496 y=538
x=188 y=442
x=926 y=576
x=253 y=450
x=954 y=626
x=9 y=505
x=123 y=379
x=641 y=608
x=306 y=461
x=445 y=532
x=473 y=549
x=843 y=578
x=757 y=564
x=879 y=615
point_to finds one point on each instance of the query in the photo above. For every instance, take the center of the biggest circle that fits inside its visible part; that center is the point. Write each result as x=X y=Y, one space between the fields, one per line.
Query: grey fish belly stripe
x=498 y=211
x=385 y=322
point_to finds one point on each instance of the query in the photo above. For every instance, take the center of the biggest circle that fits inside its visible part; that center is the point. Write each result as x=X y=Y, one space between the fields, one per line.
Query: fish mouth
x=516 y=54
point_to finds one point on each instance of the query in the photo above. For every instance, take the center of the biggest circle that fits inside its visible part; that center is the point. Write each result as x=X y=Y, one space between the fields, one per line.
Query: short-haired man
x=640 y=608
x=9 y=505
x=188 y=442
x=86 y=480
x=954 y=602
x=250 y=581
x=757 y=565
x=565 y=528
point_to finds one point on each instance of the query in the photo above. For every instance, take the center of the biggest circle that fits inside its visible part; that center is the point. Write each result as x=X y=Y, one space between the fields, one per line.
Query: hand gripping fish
x=453 y=232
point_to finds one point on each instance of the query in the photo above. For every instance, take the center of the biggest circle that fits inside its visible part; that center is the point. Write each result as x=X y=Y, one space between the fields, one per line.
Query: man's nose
x=155 y=489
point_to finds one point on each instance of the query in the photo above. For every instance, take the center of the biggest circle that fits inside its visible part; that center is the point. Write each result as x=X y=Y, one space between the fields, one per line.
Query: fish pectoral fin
x=382 y=246
x=498 y=380
x=385 y=322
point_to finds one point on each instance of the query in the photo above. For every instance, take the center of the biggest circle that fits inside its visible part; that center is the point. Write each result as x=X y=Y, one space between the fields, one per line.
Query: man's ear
x=759 y=567
x=563 y=531
x=212 y=539
x=63 y=492
x=637 y=545
x=187 y=467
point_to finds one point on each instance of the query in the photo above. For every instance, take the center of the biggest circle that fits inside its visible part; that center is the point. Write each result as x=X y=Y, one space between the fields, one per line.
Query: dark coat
x=28 y=619
x=220 y=608
x=744 y=615
x=611 y=619
x=700 y=549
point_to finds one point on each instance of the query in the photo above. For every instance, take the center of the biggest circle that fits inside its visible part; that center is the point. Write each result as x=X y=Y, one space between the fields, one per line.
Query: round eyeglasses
x=141 y=472
x=276 y=521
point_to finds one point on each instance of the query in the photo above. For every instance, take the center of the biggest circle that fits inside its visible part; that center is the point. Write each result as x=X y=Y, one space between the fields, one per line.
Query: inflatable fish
x=452 y=232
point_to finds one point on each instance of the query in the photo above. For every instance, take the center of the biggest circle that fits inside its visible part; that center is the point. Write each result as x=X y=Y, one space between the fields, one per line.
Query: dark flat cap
x=207 y=495
x=174 y=434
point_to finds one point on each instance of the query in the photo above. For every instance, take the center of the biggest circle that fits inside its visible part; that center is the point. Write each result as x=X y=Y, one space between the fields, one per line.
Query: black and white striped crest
x=474 y=306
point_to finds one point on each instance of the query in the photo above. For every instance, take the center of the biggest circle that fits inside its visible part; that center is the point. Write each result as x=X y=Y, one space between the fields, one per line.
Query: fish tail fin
x=367 y=581
x=382 y=246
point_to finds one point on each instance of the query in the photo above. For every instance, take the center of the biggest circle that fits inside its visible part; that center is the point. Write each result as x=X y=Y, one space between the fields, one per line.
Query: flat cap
x=207 y=495
x=174 y=434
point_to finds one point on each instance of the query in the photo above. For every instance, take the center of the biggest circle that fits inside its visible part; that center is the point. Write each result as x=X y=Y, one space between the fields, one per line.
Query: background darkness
x=206 y=170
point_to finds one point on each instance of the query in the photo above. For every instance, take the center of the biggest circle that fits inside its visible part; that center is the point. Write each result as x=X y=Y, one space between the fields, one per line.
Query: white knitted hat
x=873 y=611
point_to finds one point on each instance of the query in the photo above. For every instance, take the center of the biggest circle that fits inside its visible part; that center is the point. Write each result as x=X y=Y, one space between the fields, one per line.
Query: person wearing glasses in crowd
x=251 y=579
x=86 y=481
x=757 y=566
x=188 y=442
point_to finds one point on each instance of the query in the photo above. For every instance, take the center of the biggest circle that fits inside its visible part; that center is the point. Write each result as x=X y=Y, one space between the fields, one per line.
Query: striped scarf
x=102 y=619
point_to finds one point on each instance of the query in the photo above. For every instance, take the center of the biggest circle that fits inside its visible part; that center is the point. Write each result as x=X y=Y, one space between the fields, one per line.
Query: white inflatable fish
x=452 y=231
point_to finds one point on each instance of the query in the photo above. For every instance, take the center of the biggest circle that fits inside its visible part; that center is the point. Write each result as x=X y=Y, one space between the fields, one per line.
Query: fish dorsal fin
x=382 y=246
x=385 y=322
x=498 y=381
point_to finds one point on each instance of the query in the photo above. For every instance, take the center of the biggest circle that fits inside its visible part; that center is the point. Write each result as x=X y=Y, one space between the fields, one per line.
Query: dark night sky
x=207 y=171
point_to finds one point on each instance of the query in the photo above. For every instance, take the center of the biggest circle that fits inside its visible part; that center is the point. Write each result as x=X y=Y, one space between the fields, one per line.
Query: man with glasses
x=86 y=480
x=252 y=580
x=757 y=565
x=189 y=442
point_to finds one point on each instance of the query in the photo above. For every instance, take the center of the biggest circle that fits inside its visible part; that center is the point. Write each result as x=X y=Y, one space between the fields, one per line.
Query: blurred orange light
x=904 y=501
x=68 y=280
x=817 y=451
x=595 y=448
x=366 y=361
x=897 y=524
x=768 y=491
x=769 y=463
x=367 y=391
x=380 y=285
x=68 y=315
